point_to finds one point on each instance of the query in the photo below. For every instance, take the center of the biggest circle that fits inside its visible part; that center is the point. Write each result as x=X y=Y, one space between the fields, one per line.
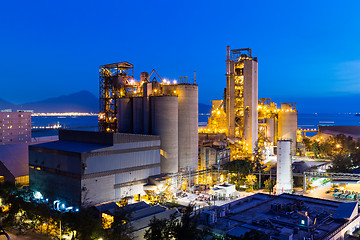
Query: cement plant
x=150 y=156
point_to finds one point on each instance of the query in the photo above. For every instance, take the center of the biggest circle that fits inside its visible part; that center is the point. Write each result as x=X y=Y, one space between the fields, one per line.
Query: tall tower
x=284 y=178
x=242 y=96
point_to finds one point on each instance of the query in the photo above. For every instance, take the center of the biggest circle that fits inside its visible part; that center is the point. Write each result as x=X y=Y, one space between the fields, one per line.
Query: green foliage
x=175 y=228
x=269 y=184
x=343 y=151
x=241 y=167
x=250 y=182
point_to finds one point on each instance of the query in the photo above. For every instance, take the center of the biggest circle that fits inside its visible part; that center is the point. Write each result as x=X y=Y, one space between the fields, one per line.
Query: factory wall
x=56 y=175
x=111 y=169
x=87 y=173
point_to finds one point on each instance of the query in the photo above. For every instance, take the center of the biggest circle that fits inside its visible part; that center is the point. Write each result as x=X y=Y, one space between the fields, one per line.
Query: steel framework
x=113 y=79
x=330 y=175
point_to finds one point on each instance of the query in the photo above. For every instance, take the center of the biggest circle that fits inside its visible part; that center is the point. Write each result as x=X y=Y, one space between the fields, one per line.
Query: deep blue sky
x=305 y=48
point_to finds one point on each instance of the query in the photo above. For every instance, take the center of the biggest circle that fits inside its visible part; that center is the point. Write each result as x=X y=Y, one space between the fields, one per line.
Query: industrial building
x=152 y=106
x=283 y=217
x=213 y=155
x=247 y=121
x=241 y=100
x=15 y=127
x=89 y=168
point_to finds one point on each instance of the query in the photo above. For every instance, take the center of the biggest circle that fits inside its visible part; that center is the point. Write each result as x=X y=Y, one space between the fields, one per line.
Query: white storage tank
x=284 y=178
x=164 y=123
x=287 y=126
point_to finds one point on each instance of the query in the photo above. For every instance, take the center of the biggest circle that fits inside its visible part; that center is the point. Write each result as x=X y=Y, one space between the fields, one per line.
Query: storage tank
x=138 y=115
x=270 y=129
x=284 y=179
x=124 y=115
x=287 y=127
x=164 y=123
x=188 y=126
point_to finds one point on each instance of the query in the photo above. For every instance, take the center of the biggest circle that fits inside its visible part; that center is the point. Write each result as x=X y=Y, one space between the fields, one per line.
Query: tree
x=85 y=223
x=250 y=181
x=269 y=185
x=175 y=228
x=259 y=156
x=241 y=167
x=121 y=228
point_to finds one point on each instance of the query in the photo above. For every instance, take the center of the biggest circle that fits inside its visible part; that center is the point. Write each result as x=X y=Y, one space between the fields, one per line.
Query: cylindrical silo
x=284 y=179
x=124 y=115
x=138 y=115
x=188 y=126
x=164 y=122
x=287 y=127
x=270 y=129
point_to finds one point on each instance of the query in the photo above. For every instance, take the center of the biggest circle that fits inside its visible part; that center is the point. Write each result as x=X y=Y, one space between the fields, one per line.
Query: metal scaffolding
x=113 y=79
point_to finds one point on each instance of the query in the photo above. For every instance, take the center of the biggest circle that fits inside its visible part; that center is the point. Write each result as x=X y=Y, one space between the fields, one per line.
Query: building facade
x=89 y=168
x=15 y=127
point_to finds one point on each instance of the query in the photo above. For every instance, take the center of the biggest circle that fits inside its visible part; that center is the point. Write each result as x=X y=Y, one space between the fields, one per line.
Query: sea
x=89 y=123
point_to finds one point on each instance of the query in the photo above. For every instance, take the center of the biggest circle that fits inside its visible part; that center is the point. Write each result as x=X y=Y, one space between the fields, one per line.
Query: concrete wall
x=56 y=175
x=114 y=172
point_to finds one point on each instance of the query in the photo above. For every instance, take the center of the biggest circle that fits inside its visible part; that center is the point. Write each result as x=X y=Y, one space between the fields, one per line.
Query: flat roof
x=268 y=212
x=70 y=146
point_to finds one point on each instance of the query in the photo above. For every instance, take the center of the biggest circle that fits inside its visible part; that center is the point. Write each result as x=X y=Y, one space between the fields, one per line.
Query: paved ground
x=200 y=204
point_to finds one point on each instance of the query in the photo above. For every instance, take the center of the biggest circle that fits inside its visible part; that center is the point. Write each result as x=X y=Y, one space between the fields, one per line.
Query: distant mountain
x=6 y=105
x=82 y=101
x=204 y=108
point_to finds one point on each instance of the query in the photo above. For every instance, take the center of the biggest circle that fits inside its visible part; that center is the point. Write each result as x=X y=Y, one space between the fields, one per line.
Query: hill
x=82 y=101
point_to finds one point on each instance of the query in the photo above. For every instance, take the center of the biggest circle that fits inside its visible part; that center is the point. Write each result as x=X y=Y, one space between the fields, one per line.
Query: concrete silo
x=124 y=115
x=284 y=178
x=188 y=126
x=164 y=123
x=270 y=129
x=287 y=124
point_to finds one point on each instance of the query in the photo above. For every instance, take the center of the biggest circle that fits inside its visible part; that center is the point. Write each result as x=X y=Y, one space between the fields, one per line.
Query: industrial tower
x=241 y=96
x=152 y=106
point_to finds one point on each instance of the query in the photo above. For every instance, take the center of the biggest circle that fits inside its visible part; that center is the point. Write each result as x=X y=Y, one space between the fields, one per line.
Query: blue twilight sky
x=305 y=48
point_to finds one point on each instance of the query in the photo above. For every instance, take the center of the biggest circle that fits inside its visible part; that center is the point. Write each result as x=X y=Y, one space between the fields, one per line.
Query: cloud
x=348 y=74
